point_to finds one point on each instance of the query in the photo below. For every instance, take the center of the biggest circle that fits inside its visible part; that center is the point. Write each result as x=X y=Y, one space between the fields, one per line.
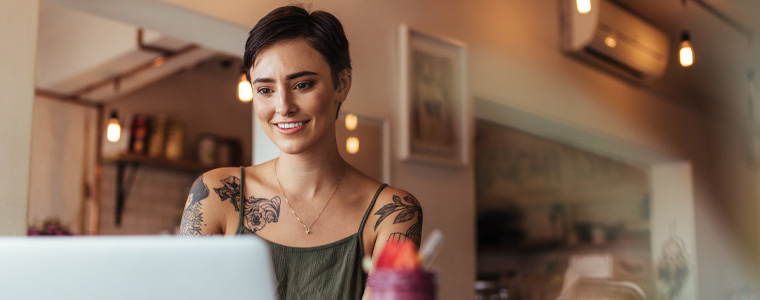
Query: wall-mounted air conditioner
x=615 y=40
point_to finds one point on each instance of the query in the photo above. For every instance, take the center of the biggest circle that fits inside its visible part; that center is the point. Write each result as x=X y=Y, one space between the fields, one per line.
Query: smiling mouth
x=289 y=125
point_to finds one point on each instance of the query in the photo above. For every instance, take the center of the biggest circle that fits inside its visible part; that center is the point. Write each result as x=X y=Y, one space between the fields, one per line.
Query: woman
x=319 y=214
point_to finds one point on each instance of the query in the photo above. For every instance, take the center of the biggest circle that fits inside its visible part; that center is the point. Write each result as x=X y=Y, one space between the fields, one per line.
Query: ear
x=344 y=85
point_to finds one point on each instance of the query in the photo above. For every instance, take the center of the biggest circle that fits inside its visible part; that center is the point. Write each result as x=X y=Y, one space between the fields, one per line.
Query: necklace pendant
x=308 y=231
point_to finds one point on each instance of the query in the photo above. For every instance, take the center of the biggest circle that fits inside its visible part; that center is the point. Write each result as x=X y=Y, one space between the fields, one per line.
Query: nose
x=285 y=105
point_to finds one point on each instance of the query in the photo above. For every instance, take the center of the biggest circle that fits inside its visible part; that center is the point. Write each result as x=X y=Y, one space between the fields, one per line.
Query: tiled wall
x=153 y=205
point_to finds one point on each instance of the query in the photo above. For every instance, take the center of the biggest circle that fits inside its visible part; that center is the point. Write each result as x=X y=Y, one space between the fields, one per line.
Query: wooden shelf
x=180 y=165
x=127 y=160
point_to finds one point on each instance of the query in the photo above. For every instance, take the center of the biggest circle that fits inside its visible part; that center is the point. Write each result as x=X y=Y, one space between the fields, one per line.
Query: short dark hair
x=320 y=29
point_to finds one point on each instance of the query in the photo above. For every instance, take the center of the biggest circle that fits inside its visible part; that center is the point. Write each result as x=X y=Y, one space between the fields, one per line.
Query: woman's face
x=294 y=96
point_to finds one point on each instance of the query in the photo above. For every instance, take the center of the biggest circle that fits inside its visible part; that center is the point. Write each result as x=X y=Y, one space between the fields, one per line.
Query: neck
x=309 y=178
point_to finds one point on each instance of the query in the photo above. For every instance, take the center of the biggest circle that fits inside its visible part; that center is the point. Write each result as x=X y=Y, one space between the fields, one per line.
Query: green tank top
x=331 y=271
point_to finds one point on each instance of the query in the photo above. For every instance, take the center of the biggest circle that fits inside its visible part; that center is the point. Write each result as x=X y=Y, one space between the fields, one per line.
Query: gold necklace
x=308 y=228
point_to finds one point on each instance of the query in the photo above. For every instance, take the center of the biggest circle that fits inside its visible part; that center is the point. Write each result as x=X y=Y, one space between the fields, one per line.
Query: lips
x=290 y=127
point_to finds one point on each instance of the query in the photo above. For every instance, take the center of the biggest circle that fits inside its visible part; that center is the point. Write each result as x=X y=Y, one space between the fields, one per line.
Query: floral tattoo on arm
x=406 y=209
x=192 y=217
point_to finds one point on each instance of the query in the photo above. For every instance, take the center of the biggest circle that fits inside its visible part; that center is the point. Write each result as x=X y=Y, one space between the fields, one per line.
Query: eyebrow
x=289 y=77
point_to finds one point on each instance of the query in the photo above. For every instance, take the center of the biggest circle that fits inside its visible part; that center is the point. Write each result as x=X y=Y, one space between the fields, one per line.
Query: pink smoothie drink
x=395 y=284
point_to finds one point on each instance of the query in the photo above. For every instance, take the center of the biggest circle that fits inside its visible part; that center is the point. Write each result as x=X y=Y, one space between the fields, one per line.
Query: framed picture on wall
x=435 y=109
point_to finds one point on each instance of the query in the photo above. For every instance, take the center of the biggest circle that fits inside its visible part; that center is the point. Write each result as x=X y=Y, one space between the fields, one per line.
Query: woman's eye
x=264 y=91
x=302 y=85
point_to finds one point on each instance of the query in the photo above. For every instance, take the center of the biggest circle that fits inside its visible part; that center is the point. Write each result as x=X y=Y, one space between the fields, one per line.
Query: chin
x=290 y=147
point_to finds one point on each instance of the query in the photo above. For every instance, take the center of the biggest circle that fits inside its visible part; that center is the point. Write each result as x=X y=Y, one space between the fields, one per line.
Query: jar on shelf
x=207 y=149
x=138 y=137
x=175 y=136
x=228 y=152
x=157 y=135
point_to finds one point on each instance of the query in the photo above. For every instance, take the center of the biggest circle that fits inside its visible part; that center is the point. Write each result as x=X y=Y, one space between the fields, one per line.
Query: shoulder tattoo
x=230 y=190
x=261 y=211
x=257 y=211
x=192 y=217
x=406 y=209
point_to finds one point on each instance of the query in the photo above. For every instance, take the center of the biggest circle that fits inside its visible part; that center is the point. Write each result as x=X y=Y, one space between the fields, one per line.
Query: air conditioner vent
x=614 y=40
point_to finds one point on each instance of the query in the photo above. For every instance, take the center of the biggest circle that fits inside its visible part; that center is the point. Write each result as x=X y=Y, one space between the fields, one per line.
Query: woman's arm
x=398 y=217
x=201 y=216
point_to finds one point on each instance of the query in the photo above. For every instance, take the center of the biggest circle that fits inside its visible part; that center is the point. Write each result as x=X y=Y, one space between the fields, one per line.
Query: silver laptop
x=136 y=267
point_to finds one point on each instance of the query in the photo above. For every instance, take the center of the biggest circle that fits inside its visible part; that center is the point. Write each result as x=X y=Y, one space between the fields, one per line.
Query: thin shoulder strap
x=360 y=234
x=242 y=196
x=369 y=209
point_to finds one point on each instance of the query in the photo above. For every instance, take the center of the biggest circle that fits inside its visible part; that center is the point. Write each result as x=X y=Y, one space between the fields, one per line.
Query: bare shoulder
x=203 y=214
x=219 y=174
x=389 y=193
x=226 y=184
x=203 y=186
x=397 y=215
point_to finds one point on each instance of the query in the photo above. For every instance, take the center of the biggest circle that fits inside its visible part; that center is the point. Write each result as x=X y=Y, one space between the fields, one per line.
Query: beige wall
x=62 y=160
x=18 y=30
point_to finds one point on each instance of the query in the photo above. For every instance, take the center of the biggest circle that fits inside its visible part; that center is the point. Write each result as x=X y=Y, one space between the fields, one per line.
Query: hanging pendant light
x=352 y=145
x=245 y=90
x=351 y=121
x=113 y=131
x=584 y=6
x=686 y=52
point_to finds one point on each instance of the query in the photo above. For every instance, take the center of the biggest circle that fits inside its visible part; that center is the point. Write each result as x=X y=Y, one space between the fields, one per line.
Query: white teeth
x=289 y=125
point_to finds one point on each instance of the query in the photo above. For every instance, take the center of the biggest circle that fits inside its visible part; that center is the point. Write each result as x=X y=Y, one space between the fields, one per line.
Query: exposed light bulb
x=686 y=52
x=351 y=121
x=610 y=42
x=584 y=6
x=159 y=61
x=245 y=90
x=352 y=145
x=113 y=131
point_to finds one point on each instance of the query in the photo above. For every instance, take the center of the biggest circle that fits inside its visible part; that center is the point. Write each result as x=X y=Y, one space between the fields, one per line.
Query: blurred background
x=594 y=163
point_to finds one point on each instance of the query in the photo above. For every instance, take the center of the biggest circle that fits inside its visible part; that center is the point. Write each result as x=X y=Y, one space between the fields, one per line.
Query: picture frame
x=435 y=111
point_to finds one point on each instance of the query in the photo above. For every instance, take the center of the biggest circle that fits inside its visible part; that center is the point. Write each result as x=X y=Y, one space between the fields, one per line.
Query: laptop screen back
x=142 y=267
